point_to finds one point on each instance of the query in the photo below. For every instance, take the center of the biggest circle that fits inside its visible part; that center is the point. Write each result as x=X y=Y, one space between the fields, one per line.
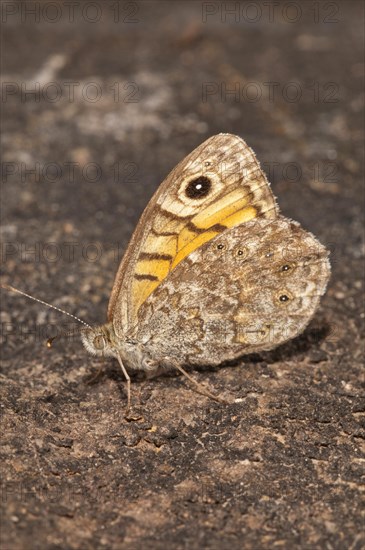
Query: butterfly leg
x=199 y=388
x=127 y=377
x=152 y=368
x=95 y=376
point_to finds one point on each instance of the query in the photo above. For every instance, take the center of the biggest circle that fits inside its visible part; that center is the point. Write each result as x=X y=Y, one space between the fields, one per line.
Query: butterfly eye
x=99 y=342
x=198 y=188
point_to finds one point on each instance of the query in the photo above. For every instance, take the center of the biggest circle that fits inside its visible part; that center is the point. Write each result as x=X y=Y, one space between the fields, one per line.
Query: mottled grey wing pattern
x=249 y=289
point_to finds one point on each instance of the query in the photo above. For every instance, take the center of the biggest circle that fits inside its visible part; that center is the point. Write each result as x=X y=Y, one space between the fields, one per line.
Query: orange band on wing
x=193 y=245
x=221 y=209
x=236 y=218
x=174 y=238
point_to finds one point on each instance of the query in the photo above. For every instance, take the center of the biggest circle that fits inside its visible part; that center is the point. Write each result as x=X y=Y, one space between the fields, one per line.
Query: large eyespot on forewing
x=198 y=188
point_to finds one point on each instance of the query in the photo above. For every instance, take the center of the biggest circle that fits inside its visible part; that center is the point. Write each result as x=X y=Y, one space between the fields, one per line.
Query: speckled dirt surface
x=283 y=467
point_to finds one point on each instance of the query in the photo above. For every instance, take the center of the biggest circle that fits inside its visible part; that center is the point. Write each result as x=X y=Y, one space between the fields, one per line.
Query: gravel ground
x=121 y=92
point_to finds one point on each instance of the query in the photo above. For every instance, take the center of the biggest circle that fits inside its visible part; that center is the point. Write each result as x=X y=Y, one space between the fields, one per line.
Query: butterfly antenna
x=50 y=340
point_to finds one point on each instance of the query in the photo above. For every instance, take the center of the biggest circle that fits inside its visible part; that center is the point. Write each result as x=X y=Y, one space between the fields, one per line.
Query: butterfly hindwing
x=251 y=288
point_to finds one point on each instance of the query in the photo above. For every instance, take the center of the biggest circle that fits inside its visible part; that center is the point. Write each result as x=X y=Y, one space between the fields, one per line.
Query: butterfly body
x=213 y=271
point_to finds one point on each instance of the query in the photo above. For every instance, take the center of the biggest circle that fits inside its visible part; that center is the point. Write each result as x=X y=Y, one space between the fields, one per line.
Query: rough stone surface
x=283 y=466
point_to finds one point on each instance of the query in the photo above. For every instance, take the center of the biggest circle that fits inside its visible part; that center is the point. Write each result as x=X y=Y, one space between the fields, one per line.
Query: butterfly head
x=99 y=340
x=104 y=342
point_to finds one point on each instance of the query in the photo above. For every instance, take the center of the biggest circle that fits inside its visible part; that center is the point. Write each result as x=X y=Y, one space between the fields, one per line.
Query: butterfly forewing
x=217 y=187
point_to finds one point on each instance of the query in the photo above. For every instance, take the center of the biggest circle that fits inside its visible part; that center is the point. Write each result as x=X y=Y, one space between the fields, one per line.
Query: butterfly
x=212 y=271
